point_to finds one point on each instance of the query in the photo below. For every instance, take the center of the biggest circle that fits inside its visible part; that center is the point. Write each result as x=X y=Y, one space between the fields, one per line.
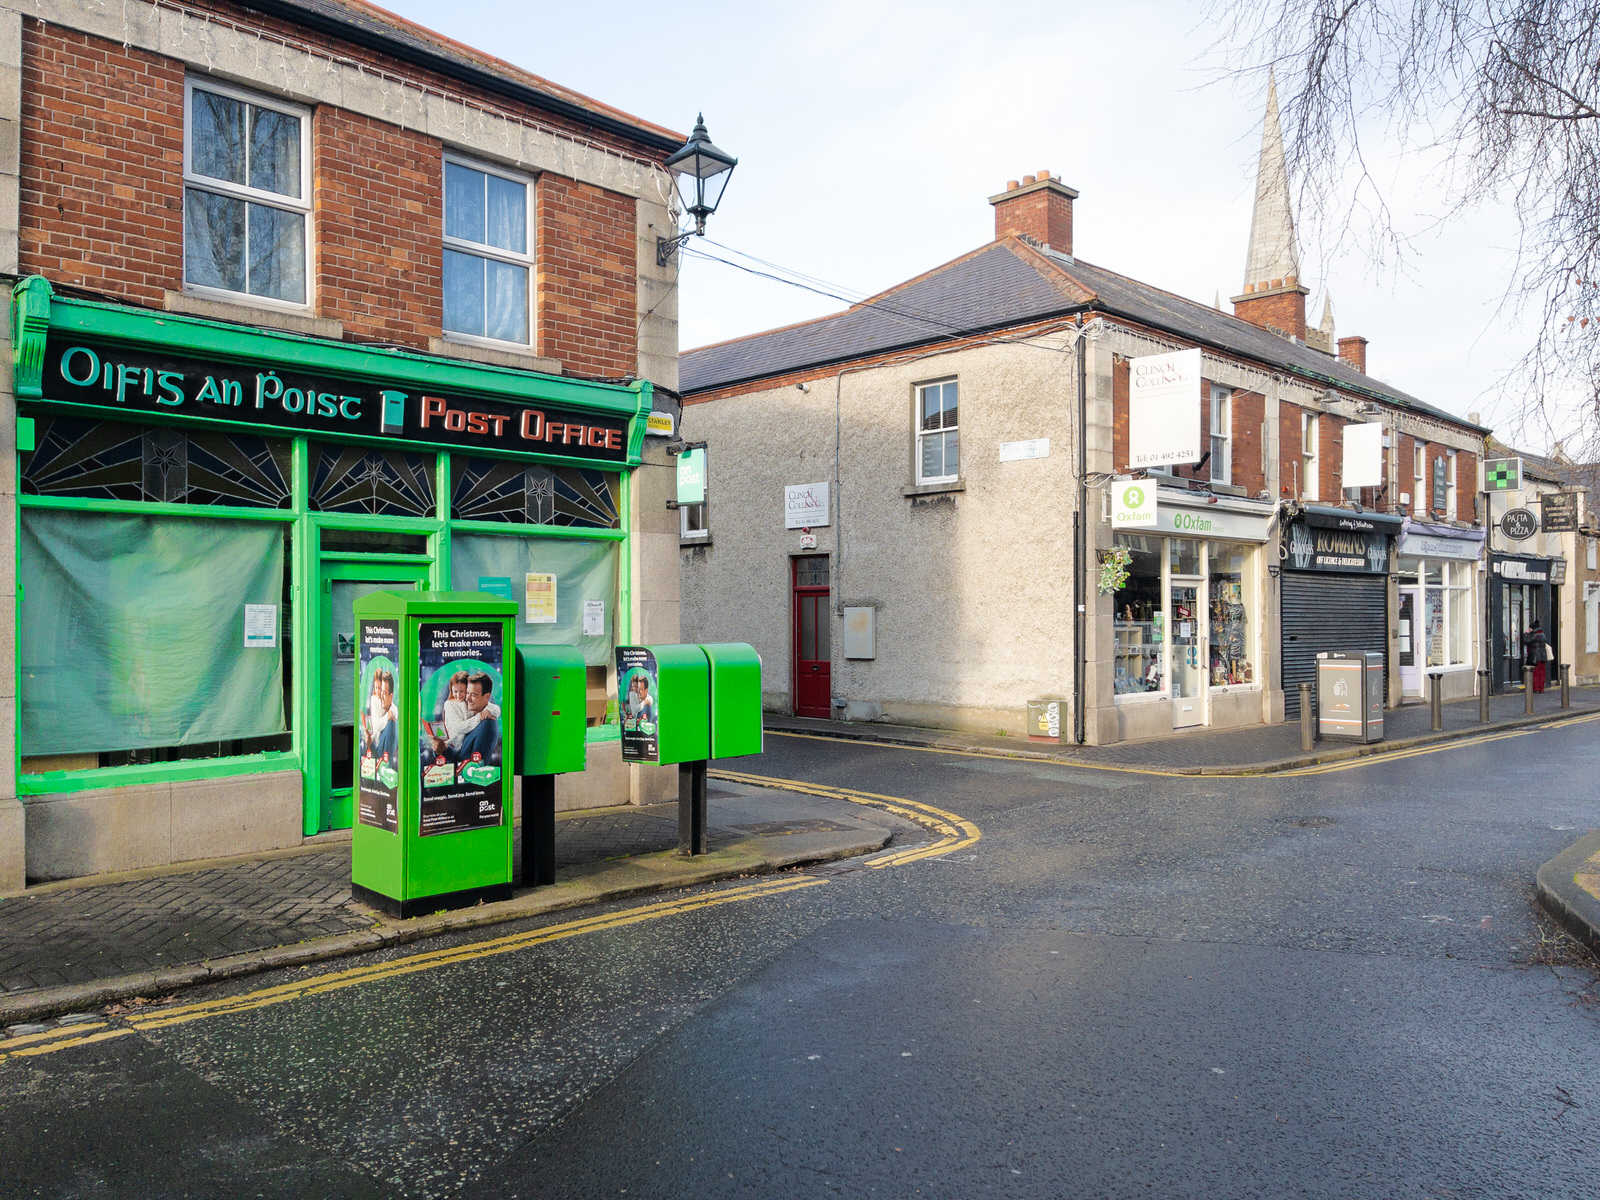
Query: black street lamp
x=702 y=173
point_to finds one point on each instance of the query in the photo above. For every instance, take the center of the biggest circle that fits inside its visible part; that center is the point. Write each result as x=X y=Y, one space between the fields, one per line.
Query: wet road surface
x=1331 y=984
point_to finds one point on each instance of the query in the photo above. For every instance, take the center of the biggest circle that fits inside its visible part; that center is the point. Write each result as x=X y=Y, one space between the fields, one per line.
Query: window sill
x=932 y=489
x=244 y=313
x=1140 y=697
x=494 y=356
x=689 y=543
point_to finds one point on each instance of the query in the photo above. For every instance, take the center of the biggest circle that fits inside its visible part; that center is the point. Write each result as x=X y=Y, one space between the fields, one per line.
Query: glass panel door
x=1189 y=669
x=343 y=583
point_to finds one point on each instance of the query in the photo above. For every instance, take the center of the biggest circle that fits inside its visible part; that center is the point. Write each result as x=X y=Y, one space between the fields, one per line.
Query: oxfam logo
x=1133 y=497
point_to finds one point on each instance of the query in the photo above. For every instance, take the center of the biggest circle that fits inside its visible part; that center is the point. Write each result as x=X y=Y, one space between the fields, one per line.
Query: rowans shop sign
x=130 y=380
x=121 y=359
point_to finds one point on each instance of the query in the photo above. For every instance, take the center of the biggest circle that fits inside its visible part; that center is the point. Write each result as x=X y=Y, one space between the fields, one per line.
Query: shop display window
x=1185 y=554
x=1232 y=596
x=492 y=489
x=1140 y=620
x=576 y=581
x=1459 y=600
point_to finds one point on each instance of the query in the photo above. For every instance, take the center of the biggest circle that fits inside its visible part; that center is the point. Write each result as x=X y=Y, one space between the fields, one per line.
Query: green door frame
x=329 y=805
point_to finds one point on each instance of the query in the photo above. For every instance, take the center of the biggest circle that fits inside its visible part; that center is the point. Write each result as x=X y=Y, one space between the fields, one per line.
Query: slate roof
x=1011 y=283
x=377 y=28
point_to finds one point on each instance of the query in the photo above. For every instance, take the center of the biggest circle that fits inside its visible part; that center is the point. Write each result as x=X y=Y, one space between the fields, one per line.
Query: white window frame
x=1592 y=551
x=1310 y=447
x=1450 y=485
x=918 y=433
x=204 y=183
x=693 y=525
x=481 y=250
x=1221 y=431
x=1419 y=468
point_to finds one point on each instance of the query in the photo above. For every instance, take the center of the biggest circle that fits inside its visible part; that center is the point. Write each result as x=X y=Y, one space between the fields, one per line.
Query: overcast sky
x=870 y=134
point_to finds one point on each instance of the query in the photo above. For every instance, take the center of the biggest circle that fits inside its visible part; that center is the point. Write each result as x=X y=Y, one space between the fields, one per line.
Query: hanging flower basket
x=1114 y=566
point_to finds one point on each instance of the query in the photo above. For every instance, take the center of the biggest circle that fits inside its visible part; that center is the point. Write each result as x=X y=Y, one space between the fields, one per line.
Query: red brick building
x=373 y=310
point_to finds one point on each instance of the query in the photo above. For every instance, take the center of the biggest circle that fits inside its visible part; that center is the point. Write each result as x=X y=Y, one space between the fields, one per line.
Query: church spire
x=1273 y=295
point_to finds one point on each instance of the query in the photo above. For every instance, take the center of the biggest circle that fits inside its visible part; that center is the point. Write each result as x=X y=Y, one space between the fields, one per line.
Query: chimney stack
x=1353 y=351
x=1039 y=208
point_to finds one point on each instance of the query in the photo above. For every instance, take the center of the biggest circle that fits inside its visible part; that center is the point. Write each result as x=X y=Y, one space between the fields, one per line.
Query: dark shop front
x=1522 y=589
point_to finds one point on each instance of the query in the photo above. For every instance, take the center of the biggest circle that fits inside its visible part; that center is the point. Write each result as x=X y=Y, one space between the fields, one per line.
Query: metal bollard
x=1527 y=690
x=1483 y=697
x=1436 y=699
x=1566 y=685
x=1308 y=719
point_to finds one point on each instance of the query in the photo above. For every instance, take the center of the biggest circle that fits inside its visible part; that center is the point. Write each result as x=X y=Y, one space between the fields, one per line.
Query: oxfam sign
x=1133 y=504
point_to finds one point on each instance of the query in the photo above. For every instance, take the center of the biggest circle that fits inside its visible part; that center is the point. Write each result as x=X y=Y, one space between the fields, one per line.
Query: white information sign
x=539 y=598
x=1363 y=455
x=1164 y=409
x=805 y=505
x=594 y=618
x=260 y=626
x=1017 y=451
x=1133 y=504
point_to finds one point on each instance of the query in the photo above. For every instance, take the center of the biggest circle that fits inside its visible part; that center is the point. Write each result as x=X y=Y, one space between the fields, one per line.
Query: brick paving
x=82 y=934
x=1251 y=746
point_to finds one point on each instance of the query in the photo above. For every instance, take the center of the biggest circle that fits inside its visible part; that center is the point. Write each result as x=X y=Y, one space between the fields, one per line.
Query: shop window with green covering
x=565 y=590
x=141 y=632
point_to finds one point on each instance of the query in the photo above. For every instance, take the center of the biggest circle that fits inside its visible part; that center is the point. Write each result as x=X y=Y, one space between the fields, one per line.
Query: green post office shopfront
x=199 y=505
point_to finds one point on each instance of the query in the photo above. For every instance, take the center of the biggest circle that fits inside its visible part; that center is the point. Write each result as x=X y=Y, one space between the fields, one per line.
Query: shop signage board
x=1426 y=547
x=1527 y=572
x=1318 y=548
x=1519 y=524
x=1164 y=409
x=1502 y=474
x=805 y=506
x=659 y=424
x=1133 y=504
x=1363 y=455
x=286 y=398
x=378 y=802
x=1441 y=489
x=692 y=476
x=1212 y=522
x=1558 y=512
x=1558 y=571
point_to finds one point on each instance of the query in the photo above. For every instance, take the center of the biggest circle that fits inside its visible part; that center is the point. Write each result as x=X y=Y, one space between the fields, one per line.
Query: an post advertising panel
x=664 y=693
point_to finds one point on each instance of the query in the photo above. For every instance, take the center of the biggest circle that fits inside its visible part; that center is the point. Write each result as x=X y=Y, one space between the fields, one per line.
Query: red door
x=813 y=647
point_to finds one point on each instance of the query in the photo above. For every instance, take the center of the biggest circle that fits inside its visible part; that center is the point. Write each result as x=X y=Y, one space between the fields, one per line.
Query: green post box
x=433 y=762
x=664 y=693
x=550 y=738
x=735 y=699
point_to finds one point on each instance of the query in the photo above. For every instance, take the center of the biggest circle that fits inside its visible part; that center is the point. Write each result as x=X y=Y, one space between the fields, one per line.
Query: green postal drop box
x=735 y=699
x=434 y=757
x=551 y=731
x=664 y=698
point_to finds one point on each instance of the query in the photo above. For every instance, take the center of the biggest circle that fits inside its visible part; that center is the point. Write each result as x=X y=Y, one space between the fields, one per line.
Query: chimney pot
x=1012 y=185
x=1027 y=180
x=1045 y=174
x=1277 y=283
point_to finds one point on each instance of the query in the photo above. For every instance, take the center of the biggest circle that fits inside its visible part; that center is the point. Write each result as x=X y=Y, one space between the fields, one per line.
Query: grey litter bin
x=1350 y=696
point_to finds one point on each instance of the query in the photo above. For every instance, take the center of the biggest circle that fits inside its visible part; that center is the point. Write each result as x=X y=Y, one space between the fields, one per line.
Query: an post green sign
x=692 y=477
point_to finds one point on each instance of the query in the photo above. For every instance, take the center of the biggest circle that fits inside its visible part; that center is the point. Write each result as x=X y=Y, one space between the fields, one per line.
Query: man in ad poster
x=636 y=684
x=378 y=774
x=461 y=683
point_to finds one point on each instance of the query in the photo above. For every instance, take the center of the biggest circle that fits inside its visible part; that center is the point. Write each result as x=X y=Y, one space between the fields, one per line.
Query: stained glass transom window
x=485 y=489
x=108 y=460
x=349 y=479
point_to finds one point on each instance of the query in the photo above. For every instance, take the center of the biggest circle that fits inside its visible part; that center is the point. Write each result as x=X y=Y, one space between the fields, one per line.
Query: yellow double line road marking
x=1021 y=759
x=954 y=831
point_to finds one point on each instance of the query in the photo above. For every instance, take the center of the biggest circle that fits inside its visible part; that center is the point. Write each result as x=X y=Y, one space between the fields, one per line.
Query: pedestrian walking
x=1536 y=651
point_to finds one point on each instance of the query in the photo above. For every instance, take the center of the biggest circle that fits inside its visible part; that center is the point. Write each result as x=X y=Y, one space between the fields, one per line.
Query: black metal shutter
x=1330 y=612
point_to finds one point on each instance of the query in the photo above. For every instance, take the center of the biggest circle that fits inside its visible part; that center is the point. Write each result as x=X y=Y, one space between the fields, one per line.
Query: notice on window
x=461 y=685
x=594 y=618
x=539 y=592
x=496 y=585
x=260 y=626
x=378 y=768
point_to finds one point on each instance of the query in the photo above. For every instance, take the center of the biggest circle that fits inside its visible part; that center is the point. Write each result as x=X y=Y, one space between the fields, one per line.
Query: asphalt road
x=1334 y=984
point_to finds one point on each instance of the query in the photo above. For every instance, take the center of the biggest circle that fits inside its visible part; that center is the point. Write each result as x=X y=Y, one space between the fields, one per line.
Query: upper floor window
x=246 y=194
x=938 y=437
x=1450 y=485
x=692 y=524
x=1308 y=456
x=1221 y=445
x=1419 y=499
x=487 y=260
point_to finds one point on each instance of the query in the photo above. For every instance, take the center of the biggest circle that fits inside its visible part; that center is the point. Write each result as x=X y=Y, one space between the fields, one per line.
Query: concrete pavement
x=1569 y=887
x=84 y=943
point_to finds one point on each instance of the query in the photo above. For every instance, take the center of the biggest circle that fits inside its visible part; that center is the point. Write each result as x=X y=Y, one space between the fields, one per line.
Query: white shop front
x=1437 y=577
x=1187 y=623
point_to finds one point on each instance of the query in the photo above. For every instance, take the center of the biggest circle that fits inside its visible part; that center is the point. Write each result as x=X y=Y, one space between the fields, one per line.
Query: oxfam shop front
x=1187 y=622
x=201 y=504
